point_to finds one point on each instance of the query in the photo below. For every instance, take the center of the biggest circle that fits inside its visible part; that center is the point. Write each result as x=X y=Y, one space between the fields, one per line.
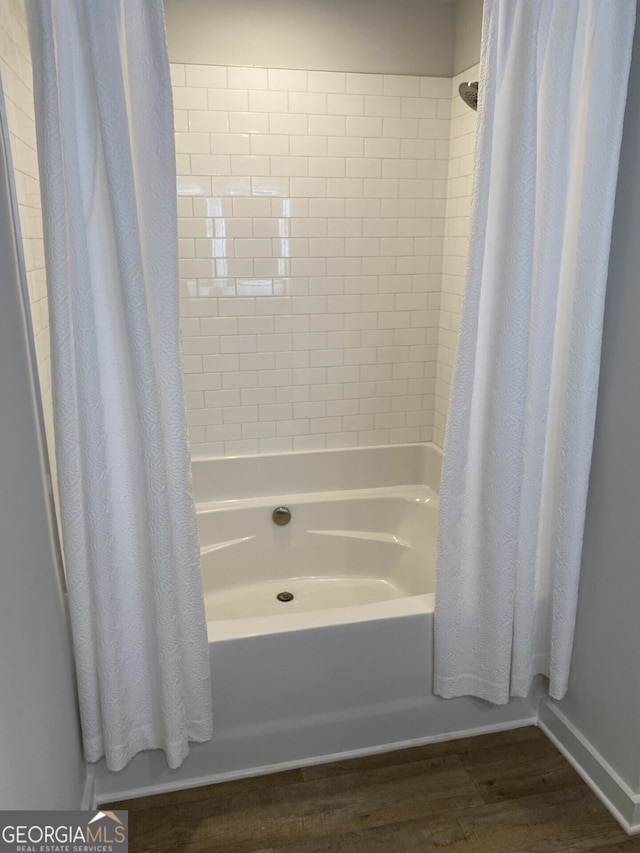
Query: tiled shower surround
x=313 y=223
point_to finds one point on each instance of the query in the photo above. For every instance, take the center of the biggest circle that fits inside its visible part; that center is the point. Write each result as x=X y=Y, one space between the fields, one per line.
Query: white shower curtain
x=107 y=168
x=521 y=419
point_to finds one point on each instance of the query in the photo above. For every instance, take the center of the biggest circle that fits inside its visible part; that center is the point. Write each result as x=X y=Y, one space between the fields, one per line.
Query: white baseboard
x=214 y=778
x=612 y=791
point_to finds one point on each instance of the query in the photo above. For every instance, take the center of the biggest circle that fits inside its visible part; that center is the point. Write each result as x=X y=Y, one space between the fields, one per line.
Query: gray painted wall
x=468 y=28
x=41 y=765
x=400 y=37
x=603 y=701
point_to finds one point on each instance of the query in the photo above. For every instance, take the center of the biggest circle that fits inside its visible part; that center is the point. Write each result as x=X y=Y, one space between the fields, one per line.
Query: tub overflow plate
x=281 y=515
x=285 y=596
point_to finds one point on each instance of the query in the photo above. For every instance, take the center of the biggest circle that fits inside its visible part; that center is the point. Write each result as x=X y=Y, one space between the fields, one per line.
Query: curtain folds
x=107 y=168
x=521 y=419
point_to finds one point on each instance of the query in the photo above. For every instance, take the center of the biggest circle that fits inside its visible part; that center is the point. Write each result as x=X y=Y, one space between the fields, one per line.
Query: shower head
x=469 y=94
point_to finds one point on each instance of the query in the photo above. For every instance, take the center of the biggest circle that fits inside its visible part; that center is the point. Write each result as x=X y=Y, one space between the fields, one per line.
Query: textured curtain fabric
x=107 y=168
x=520 y=429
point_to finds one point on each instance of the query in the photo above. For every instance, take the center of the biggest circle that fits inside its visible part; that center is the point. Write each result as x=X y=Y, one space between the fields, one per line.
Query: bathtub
x=340 y=551
x=343 y=666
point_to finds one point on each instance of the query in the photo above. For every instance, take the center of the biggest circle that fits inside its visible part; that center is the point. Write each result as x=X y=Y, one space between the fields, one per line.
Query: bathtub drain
x=285 y=596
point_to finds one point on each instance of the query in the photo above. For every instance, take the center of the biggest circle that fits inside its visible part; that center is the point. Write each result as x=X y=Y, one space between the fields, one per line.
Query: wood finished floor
x=504 y=793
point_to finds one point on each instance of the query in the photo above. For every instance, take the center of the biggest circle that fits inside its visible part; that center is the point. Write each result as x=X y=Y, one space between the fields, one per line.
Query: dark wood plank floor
x=505 y=793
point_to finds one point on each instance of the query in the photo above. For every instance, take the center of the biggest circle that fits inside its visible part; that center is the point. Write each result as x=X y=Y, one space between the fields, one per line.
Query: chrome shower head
x=469 y=94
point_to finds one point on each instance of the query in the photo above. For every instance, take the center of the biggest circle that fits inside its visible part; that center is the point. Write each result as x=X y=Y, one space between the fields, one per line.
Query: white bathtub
x=340 y=550
x=345 y=667
x=360 y=540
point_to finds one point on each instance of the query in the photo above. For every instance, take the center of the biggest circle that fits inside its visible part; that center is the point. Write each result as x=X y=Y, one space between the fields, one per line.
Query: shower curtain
x=521 y=419
x=107 y=168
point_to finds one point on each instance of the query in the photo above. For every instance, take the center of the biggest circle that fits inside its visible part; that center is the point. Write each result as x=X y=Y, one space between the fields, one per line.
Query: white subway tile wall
x=458 y=213
x=15 y=66
x=312 y=219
